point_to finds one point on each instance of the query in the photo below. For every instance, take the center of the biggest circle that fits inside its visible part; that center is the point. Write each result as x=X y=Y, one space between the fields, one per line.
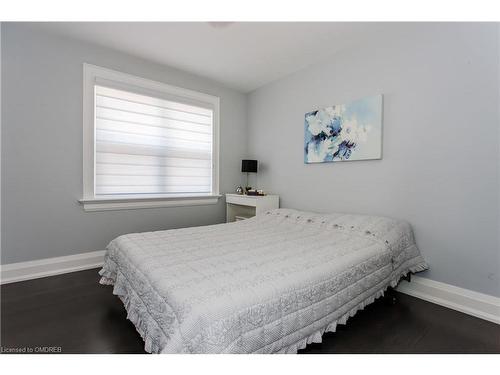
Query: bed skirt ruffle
x=316 y=337
x=155 y=338
x=137 y=312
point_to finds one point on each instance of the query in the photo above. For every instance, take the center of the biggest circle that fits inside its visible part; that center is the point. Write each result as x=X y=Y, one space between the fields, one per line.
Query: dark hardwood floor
x=78 y=315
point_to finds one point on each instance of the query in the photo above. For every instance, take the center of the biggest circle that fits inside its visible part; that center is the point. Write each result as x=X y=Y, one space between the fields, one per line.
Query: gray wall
x=439 y=171
x=0 y=136
x=440 y=144
x=42 y=148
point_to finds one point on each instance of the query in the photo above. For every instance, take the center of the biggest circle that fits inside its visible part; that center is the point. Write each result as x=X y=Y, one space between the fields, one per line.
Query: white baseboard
x=467 y=301
x=35 y=269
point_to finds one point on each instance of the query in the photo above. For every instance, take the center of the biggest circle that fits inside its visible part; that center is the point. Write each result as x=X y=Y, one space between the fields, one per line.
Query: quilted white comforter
x=268 y=284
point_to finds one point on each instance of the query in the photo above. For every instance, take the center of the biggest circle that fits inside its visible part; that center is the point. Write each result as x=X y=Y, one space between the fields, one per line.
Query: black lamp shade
x=249 y=166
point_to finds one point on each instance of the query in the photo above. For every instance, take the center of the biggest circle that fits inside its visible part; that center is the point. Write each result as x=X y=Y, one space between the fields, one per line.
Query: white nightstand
x=240 y=207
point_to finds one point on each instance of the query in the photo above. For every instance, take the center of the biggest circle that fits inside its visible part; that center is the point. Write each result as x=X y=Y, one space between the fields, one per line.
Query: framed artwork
x=344 y=132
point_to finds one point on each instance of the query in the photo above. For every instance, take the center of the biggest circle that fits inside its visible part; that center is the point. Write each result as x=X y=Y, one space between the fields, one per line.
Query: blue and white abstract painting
x=344 y=132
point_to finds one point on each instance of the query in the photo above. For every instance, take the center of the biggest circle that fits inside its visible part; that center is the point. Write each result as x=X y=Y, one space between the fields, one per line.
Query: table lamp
x=248 y=166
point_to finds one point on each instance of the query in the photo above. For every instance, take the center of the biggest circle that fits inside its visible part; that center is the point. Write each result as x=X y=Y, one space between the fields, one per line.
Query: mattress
x=269 y=284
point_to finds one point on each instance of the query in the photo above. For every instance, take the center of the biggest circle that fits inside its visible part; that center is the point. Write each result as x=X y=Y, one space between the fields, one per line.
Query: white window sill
x=126 y=203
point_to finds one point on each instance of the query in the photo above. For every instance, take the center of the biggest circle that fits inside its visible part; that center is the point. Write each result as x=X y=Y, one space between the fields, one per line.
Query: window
x=147 y=144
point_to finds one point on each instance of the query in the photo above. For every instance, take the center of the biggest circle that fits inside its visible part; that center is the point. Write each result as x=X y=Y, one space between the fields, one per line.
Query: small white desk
x=240 y=207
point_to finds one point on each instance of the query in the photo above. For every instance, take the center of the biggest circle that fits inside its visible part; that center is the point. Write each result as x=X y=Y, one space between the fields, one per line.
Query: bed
x=269 y=284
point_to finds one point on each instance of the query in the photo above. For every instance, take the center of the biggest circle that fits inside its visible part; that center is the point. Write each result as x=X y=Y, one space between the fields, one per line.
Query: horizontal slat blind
x=151 y=146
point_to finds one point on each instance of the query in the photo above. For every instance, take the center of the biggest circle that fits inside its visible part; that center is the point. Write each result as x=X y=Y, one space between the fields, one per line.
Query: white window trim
x=89 y=200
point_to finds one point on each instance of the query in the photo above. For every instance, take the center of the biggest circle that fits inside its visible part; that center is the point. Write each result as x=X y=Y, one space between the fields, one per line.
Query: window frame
x=91 y=75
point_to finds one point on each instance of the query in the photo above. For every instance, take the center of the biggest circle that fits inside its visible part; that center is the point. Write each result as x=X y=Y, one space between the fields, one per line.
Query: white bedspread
x=269 y=284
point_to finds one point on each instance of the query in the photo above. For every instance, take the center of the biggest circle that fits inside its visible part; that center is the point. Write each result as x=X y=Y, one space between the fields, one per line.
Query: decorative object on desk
x=239 y=190
x=259 y=193
x=344 y=132
x=248 y=166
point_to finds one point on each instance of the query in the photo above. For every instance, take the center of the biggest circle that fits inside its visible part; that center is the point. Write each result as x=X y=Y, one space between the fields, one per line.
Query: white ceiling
x=240 y=55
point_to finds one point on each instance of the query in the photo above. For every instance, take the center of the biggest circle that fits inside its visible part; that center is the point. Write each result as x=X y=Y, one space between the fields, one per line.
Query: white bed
x=270 y=284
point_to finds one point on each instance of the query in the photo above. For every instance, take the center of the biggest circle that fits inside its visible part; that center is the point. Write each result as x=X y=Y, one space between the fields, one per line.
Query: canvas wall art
x=344 y=132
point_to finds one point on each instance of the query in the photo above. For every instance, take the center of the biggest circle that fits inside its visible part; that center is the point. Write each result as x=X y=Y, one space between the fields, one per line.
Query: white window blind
x=150 y=146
